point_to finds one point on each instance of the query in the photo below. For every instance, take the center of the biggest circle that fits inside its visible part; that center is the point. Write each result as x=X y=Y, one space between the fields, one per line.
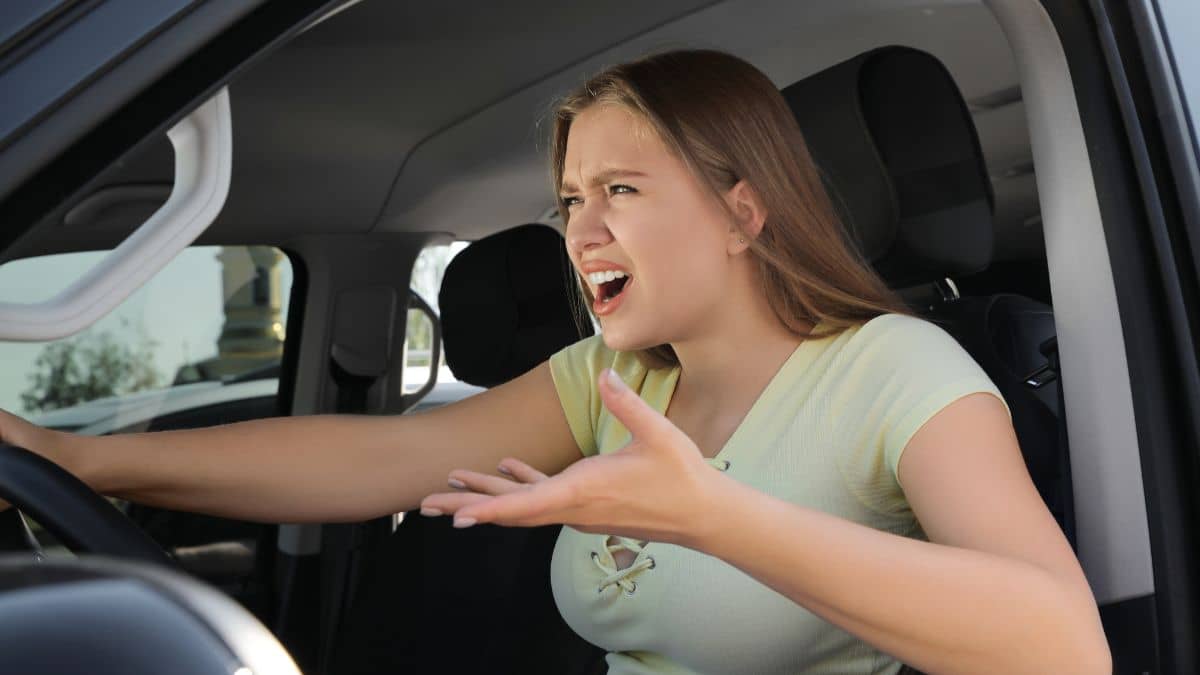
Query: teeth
x=598 y=278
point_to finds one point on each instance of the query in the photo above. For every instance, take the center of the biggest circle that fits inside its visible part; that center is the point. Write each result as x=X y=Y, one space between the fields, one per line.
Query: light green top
x=826 y=433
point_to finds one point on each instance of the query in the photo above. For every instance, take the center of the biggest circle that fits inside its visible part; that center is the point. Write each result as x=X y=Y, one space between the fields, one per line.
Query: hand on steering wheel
x=81 y=519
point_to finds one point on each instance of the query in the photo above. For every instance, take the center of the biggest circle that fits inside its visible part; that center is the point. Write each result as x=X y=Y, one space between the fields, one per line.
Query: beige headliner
x=390 y=117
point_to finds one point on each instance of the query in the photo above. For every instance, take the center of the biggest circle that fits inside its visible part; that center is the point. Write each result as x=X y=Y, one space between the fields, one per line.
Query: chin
x=622 y=341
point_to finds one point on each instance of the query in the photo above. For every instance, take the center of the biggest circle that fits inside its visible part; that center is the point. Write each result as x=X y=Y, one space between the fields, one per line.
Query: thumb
x=645 y=423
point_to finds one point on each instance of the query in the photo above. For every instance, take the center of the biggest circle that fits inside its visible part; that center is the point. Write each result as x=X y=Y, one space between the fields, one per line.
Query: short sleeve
x=575 y=370
x=941 y=372
x=901 y=372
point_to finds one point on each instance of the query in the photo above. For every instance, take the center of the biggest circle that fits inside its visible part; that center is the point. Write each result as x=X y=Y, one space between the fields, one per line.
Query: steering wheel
x=81 y=519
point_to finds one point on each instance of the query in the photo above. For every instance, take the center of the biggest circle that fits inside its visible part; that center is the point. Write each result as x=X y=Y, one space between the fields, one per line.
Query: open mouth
x=611 y=289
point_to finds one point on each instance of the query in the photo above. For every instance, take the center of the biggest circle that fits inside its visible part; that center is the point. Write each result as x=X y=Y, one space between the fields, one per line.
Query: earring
x=741 y=241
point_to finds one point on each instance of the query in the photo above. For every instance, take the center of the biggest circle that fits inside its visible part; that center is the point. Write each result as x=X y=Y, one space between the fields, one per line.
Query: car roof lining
x=393 y=117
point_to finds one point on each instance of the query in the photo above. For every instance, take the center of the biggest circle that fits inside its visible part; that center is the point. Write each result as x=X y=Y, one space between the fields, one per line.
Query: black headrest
x=506 y=305
x=901 y=160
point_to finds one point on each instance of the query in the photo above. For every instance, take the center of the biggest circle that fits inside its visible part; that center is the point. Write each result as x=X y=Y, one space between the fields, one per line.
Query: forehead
x=610 y=135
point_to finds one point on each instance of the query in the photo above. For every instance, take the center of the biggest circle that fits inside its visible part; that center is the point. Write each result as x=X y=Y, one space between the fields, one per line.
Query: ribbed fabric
x=826 y=433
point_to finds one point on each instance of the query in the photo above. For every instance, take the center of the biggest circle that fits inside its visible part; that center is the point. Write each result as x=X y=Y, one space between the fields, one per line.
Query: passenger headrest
x=506 y=307
x=901 y=160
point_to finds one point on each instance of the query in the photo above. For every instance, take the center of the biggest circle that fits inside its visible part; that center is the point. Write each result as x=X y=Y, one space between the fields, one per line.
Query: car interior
x=382 y=129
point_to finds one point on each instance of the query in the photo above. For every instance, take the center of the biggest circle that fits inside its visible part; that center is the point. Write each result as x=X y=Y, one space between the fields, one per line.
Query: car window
x=206 y=333
x=427 y=275
x=1179 y=21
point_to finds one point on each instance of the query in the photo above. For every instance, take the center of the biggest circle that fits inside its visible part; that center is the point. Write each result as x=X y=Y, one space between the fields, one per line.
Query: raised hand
x=651 y=489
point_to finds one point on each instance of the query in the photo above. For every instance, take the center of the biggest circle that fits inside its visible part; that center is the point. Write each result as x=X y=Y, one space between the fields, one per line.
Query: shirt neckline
x=798 y=358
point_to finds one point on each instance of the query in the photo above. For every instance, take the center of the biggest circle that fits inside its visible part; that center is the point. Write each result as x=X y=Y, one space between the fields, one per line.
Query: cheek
x=684 y=276
x=679 y=251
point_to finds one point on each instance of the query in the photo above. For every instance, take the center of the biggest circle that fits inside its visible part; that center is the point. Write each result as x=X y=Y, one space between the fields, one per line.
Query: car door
x=1133 y=66
x=1160 y=104
x=86 y=84
x=201 y=344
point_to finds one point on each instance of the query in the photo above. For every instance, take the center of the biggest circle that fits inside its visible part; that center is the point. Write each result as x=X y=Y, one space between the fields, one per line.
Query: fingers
x=547 y=502
x=481 y=487
x=521 y=471
x=448 y=503
x=644 y=422
x=495 y=485
x=502 y=510
x=481 y=482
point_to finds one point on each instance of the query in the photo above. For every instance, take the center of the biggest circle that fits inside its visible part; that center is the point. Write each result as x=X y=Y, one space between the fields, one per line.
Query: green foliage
x=419 y=332
x=428 y=270
x=89 y=366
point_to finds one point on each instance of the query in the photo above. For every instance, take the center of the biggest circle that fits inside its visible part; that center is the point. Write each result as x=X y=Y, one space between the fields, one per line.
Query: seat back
x=901 y=159
x=432 y=590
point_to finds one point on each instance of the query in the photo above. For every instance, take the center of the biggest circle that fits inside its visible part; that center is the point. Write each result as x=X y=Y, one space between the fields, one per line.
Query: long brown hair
x=727 y=122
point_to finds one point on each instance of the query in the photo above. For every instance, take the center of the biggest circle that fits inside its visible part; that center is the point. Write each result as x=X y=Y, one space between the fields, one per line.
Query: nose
x=586 y=228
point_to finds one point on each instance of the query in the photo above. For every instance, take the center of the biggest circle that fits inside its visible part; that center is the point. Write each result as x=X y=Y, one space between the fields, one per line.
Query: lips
x=608 y=282
x=613 y=288
x=611 y=295
x=599 y=272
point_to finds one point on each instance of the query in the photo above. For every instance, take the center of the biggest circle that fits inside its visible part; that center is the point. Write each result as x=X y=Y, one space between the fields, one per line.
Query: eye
x=620 y=189
x=569 y=201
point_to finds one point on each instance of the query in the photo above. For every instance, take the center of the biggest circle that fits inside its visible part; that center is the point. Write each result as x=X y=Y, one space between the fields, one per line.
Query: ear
x=749 y=216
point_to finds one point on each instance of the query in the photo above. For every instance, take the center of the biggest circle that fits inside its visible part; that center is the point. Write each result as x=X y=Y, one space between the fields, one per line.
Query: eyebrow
x=603 y=177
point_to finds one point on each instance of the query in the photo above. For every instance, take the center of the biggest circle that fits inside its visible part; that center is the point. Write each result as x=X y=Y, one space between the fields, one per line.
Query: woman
x=765 y=463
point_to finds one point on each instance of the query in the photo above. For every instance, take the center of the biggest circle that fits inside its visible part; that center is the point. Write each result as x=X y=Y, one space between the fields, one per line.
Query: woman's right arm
x=320 y=468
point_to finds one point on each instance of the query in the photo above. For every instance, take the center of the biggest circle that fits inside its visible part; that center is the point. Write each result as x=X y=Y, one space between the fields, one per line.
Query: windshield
x=213 y=315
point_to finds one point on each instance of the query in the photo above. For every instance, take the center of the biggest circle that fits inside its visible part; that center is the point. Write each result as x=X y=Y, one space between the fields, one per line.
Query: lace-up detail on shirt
x=718 y=464
x=622 y=577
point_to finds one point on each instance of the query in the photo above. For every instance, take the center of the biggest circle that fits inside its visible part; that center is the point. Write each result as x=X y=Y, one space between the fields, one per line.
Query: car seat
x=901 y=159
x=437 y=599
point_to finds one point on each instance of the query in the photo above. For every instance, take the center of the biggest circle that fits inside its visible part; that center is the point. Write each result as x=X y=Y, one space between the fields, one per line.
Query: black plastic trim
x=1156 y=200
x=98 y=95
x=1179 y=136
x=293 y=333
x=1166 y=436
x=43 y=79
x=1133 y=620
x=20 y=36
x=62 y=174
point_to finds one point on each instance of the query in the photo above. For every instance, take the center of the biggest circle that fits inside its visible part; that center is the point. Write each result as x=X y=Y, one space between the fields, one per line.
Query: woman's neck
x=733 y=359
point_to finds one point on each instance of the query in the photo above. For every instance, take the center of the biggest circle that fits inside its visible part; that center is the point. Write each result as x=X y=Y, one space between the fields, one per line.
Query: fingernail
x=614 y=380
x=463 y=522
x=456 y=483
x=430 y=511
x=504 y=470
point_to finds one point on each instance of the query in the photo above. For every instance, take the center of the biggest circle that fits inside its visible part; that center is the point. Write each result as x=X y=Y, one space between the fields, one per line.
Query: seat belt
x=1049 y=372
x=342 y=544
x=360 y=356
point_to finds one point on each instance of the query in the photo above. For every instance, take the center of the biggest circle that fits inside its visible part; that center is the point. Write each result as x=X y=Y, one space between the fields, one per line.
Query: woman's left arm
x=997 y=588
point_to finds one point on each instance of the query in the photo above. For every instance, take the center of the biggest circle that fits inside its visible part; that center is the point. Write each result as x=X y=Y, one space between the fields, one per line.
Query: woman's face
x=634 y=208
